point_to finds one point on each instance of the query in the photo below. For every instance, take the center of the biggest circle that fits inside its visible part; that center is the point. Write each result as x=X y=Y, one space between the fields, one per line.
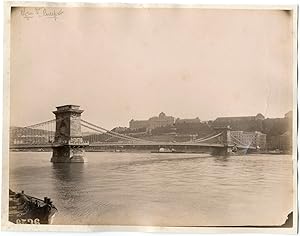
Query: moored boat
x=275 y=152
x=25 y=209
x=167 y=150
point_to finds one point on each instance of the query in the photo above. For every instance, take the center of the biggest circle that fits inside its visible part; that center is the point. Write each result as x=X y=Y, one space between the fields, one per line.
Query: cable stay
x=240 y=142
x=110 y=134
x=199 y=139
x=115 y=133
x=40 y=124
x=206 y=139
x=110 y=138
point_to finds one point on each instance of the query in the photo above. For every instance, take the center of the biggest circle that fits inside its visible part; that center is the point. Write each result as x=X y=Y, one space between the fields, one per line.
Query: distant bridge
x=65 y=136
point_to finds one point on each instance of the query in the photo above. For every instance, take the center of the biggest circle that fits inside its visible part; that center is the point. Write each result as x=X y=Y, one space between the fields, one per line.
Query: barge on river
x=25 y=209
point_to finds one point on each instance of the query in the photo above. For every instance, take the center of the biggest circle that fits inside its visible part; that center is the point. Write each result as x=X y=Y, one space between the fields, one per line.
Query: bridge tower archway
x=68 y=143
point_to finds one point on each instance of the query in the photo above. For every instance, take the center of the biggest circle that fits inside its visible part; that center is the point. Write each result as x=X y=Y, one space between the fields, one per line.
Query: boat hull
x=25 y=209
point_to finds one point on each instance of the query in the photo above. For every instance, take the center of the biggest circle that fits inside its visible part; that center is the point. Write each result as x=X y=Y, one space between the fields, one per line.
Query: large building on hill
x=138 y=124
x=187 y=121
x=161 y=120
x=246 y=123
x=279 y=132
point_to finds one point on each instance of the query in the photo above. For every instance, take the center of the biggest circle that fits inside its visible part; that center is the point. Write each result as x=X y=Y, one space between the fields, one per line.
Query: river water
x=159 y=189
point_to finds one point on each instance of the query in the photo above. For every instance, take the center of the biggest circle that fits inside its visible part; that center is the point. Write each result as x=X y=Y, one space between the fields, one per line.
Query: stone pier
x=68 y=146
x=225 y=139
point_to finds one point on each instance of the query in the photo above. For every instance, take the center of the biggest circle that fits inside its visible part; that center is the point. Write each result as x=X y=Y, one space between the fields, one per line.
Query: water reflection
x=66 y=172
x=221 y=160
x=68 y=182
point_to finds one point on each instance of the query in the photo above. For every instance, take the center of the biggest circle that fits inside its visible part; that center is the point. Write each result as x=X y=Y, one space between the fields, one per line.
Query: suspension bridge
x=69 y=136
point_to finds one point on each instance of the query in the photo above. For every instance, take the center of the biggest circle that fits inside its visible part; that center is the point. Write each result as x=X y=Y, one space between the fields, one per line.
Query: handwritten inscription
x=41 y=12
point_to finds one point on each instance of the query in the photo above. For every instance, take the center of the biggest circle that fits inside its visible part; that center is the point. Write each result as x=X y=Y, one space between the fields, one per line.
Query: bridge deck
x=50 y=145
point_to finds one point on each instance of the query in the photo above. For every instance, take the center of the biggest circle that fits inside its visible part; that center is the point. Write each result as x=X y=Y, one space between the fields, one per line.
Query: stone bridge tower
x=68 y=143
x=225 y=139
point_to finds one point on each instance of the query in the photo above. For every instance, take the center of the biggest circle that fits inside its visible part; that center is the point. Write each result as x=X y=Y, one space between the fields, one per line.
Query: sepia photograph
x=172 y=116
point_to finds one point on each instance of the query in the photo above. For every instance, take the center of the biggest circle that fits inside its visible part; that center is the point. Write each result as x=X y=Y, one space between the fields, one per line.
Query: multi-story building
x=246 y=123
x=154 y=122
x=138 y=124
x=283 y=142
x=254 y=139
x=187 y=121
x=161 y=121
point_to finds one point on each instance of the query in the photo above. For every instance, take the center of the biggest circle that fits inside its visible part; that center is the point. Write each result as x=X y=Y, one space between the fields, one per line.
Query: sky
x=120 y=64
